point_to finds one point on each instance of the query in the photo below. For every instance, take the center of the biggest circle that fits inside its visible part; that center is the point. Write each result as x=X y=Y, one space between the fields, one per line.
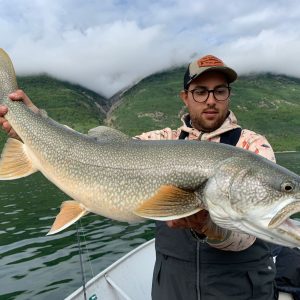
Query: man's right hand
x=197 y=222
x=18 y=95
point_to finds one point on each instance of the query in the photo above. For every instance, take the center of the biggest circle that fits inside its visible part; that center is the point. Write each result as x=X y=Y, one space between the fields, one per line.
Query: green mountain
x=266 y=103
x=67 y=103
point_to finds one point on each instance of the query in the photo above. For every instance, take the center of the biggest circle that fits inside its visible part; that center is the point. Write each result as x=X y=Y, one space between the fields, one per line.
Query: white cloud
x=106 y=45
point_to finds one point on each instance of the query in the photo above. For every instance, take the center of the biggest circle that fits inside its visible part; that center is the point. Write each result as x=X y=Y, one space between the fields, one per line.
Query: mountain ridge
x=266 y=103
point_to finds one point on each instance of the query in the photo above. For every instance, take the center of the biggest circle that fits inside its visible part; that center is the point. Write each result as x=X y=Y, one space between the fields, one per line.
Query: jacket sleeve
x=256 y=143
x=237 y=241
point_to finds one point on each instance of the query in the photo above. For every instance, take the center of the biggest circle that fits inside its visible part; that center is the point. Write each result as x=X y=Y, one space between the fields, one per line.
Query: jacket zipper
x=199 y=242
x=198 y=272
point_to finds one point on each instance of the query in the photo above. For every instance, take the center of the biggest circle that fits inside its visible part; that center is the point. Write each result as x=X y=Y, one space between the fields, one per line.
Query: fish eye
x=287 y=187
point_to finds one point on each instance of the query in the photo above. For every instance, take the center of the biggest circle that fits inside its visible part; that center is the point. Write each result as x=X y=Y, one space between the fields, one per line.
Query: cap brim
x=229 y=73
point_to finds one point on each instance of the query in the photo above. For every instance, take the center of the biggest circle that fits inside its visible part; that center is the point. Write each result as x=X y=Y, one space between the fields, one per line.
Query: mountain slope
x=268 y=104
x=67 y=103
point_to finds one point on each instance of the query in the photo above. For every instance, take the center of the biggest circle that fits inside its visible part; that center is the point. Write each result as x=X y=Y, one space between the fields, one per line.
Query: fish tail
x=8 y=81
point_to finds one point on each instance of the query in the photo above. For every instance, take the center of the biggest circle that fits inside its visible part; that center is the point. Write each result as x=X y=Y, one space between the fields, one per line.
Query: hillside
x=67 y=103
x=268 y=104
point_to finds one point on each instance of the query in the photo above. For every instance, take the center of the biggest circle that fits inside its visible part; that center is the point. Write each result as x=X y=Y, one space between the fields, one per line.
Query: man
x=188 y=266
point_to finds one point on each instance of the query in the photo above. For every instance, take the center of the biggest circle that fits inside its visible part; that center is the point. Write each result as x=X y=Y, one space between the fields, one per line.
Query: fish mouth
x=284 y=214
x=284 y=223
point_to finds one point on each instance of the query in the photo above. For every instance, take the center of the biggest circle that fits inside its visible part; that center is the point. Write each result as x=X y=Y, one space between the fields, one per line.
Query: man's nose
x=211 y=98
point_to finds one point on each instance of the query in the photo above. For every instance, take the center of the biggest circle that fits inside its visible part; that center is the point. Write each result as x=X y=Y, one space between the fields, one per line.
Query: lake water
x=36 y=266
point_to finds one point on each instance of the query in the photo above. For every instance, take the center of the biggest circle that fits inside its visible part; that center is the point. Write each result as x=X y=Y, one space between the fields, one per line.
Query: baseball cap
x=205 y=64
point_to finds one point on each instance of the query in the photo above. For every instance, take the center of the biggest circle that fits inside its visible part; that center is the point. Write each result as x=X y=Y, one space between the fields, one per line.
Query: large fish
x=127 y=180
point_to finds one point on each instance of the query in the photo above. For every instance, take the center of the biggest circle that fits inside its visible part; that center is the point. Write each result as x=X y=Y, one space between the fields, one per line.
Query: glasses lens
x=200 y=95
x=221 y=93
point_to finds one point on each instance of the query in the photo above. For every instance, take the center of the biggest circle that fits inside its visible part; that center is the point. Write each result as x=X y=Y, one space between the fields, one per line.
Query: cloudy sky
x=106 y=45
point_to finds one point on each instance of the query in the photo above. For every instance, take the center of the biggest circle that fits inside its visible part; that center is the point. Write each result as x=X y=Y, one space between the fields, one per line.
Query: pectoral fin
x=14 y=162
x=169 y=203
x=70 y=212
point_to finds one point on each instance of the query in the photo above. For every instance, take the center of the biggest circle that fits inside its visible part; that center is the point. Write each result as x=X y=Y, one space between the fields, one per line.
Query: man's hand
x=18 y=95
x=202 y=224
x=197 y=222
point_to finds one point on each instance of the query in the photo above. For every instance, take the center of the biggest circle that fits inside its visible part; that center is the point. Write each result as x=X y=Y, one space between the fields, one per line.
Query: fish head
x=257 y=197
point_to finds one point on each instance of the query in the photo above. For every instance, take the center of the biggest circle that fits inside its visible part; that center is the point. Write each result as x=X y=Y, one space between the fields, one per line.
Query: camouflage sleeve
x=249 y=140
x=163 y=134
x=256 y=143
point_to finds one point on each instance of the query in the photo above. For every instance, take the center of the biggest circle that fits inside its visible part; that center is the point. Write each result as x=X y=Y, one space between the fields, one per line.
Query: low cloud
x=108 y=45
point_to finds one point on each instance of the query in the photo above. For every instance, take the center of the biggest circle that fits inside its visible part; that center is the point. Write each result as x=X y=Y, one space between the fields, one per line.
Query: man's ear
x=184 y=97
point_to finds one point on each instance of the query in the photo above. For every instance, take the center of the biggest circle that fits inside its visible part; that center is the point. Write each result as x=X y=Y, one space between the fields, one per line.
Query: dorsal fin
x=103 y=133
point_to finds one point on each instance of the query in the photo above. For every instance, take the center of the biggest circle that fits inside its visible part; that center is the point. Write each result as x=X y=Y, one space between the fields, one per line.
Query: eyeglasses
x=220 y=93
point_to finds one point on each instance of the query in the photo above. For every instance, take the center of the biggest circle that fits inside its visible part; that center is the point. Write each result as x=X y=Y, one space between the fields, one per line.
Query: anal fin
x=169 y=203
x=70 y=212
x=14 y=162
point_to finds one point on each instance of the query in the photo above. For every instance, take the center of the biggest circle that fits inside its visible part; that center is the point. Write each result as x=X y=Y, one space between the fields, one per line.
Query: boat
x=129 y=278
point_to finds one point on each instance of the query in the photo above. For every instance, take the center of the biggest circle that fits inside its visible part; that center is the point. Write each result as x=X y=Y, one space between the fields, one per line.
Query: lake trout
x=128 y=180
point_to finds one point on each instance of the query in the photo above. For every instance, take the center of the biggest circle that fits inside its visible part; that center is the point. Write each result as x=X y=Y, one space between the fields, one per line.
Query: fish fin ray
x=70 y=212
x=169 y=203
x=14 y=162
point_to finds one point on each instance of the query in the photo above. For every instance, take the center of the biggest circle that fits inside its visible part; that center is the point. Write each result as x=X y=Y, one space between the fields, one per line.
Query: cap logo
x=209 y=61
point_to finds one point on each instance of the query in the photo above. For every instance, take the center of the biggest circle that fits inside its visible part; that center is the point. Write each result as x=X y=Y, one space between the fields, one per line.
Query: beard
x=206 y=124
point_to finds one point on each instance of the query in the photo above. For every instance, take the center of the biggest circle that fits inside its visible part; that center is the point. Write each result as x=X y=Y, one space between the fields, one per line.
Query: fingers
x=180 y=223
x=5 y=124
x=7 y=128
x=200 y=217
x=3 y=111
x=19 y=95
x=196 y=221
x=13 y=134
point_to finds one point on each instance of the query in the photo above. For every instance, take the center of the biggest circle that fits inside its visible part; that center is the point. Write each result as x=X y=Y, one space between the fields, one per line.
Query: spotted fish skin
x=128 y=180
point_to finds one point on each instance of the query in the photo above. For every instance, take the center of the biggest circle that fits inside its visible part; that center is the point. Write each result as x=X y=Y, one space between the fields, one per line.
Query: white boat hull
x=128 y=278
